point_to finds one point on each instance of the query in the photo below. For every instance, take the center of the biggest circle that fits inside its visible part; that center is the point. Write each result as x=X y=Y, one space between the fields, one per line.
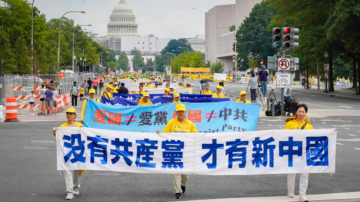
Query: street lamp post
x=32 y=38
x=60 y=32
x=73 y=52
x=326 y=55
x=235 y=45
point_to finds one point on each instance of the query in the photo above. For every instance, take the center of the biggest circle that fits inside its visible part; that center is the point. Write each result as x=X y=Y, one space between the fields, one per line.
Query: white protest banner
x=161 y=90
x=218 y=76
x=244 y=153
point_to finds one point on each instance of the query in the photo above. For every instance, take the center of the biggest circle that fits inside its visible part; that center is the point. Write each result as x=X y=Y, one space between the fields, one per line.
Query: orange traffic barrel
x=11 y=109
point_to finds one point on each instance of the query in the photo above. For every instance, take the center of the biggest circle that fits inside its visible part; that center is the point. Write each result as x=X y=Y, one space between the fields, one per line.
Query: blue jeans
x=263 y=87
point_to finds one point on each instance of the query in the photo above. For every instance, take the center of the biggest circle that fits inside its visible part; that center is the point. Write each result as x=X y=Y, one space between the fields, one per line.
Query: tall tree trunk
x=297 y=75
x=307 y=77
x=354 y=79
x=331 y=73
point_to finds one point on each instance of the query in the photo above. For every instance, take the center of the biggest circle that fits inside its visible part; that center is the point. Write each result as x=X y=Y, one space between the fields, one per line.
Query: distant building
x=219 y=40
x=197 y=44
x=122 y=34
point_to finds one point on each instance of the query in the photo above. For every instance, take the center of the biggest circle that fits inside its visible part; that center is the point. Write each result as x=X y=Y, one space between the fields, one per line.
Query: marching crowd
x=180 y=124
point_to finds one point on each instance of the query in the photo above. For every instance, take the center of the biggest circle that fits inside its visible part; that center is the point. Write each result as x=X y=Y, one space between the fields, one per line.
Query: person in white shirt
x=55 y=94
x=42 y=100
x=32 y=99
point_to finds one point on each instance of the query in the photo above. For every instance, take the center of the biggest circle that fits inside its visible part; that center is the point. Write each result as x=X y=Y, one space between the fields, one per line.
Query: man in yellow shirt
x=145 y=100
x=207 y=90
x=92 y=93
x=141 y=90
x=242 y=98
x=176 y=98
x=108 y=92
x=82 y=91
x=218 y=93
x=180 y=125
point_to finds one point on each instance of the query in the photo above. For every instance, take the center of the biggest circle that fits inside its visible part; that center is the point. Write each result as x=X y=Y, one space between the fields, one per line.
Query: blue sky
x=164 y=18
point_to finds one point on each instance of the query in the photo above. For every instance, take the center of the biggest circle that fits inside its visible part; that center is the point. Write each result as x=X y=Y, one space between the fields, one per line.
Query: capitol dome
x=122 y=21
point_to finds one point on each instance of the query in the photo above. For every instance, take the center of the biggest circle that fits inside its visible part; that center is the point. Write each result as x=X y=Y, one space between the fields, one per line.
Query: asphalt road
x=28 y=165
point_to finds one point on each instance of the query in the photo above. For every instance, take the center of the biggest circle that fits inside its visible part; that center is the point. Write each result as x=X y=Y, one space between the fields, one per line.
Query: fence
x=21 y=86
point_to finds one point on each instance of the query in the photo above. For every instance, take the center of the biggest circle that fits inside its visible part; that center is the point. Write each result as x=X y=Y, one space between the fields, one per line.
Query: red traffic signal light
x=276 y=30
x=287 y=30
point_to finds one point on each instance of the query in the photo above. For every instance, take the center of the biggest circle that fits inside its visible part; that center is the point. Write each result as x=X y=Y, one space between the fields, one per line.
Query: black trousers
x=95 y=88
x=253 y=94
x=74 y=100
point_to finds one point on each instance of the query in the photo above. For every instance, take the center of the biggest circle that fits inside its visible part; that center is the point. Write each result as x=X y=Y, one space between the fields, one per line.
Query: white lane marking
x=349 y=121
x=323 y=122
x=345 y=107
x=327 y=120
x=357 y=148
x=347 y=128
x=261 y=122
x=352 y=135
x=339 y=144
x=349 y=140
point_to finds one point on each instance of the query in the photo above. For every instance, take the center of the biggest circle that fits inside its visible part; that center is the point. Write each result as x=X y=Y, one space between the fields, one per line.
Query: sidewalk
x=340 y=91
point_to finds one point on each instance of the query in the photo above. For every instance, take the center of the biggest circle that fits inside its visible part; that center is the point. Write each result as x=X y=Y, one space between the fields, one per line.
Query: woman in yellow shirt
x=167 y=92
x=176 y=98
x=172 y=90
x=145 y=100
x=108 y=93
x=242 y=98
x=188 y=85
x=181 y=85
x=300 y=121
x=218 y=93
x=92 y=97
x=148 y=85
x=72 y=177
x=207 y=90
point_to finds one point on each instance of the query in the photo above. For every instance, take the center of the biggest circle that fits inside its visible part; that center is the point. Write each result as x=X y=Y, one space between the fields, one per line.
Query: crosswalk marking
x=339 y=144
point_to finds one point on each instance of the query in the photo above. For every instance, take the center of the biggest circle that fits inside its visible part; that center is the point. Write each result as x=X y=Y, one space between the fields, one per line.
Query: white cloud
x=164 y=18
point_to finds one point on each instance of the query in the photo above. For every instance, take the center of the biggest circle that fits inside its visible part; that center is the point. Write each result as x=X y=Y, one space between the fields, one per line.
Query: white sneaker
x=69 y=196
x=76 y=191
x=291 y=194
x=303 y=198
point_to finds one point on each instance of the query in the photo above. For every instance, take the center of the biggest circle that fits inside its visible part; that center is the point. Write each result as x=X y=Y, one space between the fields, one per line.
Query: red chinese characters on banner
x=194 y=116
x=114 y=119
x=100 y=116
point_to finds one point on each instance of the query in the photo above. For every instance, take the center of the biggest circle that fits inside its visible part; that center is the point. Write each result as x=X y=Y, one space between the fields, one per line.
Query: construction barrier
x=11 y=109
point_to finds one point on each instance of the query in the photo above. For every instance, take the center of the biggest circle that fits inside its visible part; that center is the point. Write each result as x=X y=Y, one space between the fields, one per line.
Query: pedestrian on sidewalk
x=101 y=86
x=55 y=94
x=32 y=99
x=72 y=177
x=300 y=121
x=49 y=100
x=253 y=86
x=74 y=94
x=42 y=100
x=264 y=76
x=179 y=125
x=86 y=88
x=89 y=83
x=95 y=83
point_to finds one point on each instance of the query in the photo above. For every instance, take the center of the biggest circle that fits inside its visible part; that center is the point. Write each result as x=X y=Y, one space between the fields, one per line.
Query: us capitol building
x=122 y=35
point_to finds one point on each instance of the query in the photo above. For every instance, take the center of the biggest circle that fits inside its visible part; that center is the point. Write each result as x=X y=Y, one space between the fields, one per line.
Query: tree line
x=15 y=41
x=331 y=27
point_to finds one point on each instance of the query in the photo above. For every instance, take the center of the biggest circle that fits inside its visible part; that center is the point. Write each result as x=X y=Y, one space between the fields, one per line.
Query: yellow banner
x=190 y=69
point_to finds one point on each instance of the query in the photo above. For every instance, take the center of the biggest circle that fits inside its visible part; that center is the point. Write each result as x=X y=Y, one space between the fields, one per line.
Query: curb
x=331 y=95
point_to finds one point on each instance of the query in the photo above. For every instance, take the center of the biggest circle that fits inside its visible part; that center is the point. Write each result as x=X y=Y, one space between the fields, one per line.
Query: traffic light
x=286 y=31
x=233 y=57
x=294 y=37
x=276 y=39
x=261 y=62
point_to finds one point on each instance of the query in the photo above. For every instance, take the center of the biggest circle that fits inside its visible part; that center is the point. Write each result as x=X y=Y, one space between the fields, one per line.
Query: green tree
x=149 y=65
x=138 y=62
x=252 y=64
x=123 y=61
x=186 y=59
x=253 y=38
x=160 y=61
x=216 y=67
x=175 y=45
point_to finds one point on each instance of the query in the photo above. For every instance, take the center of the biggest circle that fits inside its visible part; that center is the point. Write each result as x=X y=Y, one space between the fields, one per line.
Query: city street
x=28 y=169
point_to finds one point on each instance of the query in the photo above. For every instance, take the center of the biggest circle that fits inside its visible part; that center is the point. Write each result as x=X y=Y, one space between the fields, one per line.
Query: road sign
x=326 y=67
x=283 y=80
x=284 y=64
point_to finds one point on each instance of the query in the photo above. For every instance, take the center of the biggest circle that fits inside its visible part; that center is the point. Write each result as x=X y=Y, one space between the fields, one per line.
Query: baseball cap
x=243 y=93
x=92 y=91
x=180 y=107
